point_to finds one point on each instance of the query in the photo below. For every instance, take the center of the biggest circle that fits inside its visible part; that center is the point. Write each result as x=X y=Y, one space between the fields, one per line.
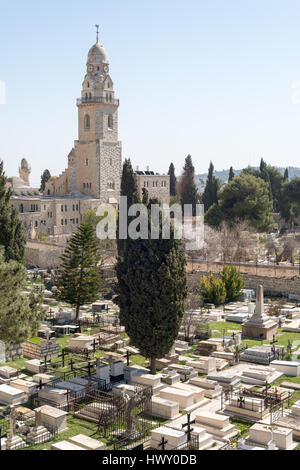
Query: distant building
x=157 y=186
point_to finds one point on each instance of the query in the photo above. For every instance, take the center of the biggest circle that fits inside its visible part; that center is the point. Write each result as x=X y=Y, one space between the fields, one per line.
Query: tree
x=286 y=175
x=213 y=290
x=129 y=188
x=152 y=288
x=44 y=178
x=210 y=194
x=79 y=279
x=11 y=229
x=231 y=174
x=188 y=189
x=173 y=180
x=20 y=314
x=233 y=282
x=245 y=198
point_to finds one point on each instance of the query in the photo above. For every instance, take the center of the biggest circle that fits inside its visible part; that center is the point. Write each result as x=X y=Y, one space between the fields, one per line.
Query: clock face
x=90 y=68
x=105 y=68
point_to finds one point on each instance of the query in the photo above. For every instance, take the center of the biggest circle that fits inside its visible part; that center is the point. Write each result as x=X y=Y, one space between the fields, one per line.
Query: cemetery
x=83 y=386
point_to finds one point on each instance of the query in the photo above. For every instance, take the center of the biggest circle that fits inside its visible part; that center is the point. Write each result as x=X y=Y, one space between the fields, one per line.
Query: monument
x=259 y=326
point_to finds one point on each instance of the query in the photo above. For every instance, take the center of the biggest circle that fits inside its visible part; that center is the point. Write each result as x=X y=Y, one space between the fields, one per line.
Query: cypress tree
x=210 y=194
x=152 y=288
x=79 y=278
x=12 y=237
x=188 y=189
x=129 y=188
x=173 y=180
x=231 y=174
x=44 y=178
x=286 y=175
x=20 y=314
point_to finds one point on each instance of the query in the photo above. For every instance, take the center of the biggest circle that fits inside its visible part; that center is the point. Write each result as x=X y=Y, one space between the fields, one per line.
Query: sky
x=216 y=79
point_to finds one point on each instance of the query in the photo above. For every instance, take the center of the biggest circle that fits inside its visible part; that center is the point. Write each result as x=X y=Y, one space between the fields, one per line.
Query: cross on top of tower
x=97 y=33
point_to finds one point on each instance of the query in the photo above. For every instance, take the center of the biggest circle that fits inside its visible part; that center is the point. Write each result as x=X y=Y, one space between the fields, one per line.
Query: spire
x=97 y=33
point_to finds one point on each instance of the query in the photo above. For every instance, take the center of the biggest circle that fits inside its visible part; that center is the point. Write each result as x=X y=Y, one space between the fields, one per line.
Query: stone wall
x=43 y=255
x=14 y=351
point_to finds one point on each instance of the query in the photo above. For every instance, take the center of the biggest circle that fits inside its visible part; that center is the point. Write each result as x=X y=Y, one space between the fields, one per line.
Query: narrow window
x=110 y=122
x=87 y=122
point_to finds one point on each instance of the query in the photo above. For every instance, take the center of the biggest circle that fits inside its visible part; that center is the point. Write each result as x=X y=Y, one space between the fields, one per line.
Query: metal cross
x=188 y=425
x=97 y=30
x=273 y=344
x=163 y=443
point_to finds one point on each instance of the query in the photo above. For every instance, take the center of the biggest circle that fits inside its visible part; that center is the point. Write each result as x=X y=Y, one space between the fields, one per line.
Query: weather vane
x=97 y=30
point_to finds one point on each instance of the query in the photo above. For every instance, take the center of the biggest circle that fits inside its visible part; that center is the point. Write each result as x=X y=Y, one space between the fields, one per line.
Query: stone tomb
x=211 y=388
x=226 y=380
x=153 y=381
x=117 y=369
x=44 y=378
x=259 y=375
x=51 y=418
x=203 y=365
x=198 y=392
x=27 y=387
x=184 y=398
x=289 y=368
x=263 y=435
x=217 y=425
x=8 y=373
x=87 y=442
x=11 y=395
x=35 y=366
x=170 y=378
x=103 y=373
x=55 y=396
x=165 y=409
x=247 y=407
x=176 y=439
x=259 y=326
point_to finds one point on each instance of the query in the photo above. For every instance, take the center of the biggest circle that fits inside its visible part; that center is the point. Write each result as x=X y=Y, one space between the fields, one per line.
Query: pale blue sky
x=211 y=78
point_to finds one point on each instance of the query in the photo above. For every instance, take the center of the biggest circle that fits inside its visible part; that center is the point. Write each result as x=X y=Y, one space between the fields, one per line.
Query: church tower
x=95 y=161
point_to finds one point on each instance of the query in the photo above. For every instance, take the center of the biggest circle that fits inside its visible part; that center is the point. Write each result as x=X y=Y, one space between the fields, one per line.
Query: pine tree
x=188 y=189
x=11 y=229
x=231 y=174
x=20 y=315
x=152 y=288
x=210 y=194
x=173 y=180
x=129 y=188
x=79 y=278
x=44 y=178
x=233 y=282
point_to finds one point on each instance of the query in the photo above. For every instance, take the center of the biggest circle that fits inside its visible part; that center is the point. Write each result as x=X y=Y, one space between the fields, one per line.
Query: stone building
x=93 y=173
x=157 y=186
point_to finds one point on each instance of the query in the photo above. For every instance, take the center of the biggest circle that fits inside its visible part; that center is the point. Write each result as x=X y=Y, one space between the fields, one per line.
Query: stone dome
x=97 y=53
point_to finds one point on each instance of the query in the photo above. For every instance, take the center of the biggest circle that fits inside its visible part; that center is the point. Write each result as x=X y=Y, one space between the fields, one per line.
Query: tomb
x=175 y=438
x=81 y=343
x=288 y=368
x=170 y=378
x=117 y=369
x=38 y=435
x=65 y=445
x=153 y=381
x=51 y=418
x=184 y=398
x=75 y=390
x=27 y=387
x=262 y=435
x=130 y=371
x=87 y=443
x=217 y=425
x=203 y=365
x=259 y=375
x=250 y=408
x=103 y=373
x=259 y=326
x=44 y=378
x=211 y=388
x=35 y=366
x=7 y=372
x=165 y=409
x=55 y=396
x=198 y=392
x=185 y=372
x=11 y=395
x=227 y=380
x=261 y=354
x=41 y=350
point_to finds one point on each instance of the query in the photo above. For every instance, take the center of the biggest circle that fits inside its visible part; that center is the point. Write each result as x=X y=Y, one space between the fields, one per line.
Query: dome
x=97 y=53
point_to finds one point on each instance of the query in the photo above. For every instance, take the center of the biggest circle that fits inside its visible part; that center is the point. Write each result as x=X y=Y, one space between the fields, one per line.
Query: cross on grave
x=188 y=425
x=289 y=347
x=223 y=334
x=241 y=402
x=273 y=344
x=163 y=443
x=127 y=355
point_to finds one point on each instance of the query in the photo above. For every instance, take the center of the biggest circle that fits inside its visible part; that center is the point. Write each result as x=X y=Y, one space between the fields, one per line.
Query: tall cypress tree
x=20 y=314
x=44 y=178
x=129 y=188
x=11 y=230
x=231 y=174
x=173 y=180
x=79 y=278
x=210 y=194
x=151 y=289
x=188 y=189
x=286 y=175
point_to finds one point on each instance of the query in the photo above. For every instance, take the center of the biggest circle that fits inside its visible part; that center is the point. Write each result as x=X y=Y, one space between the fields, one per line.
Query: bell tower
x=96 y=161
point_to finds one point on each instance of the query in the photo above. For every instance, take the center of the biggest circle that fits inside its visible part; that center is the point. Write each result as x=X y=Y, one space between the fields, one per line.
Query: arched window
x=110 y=122
x=21 y=208
x=87 y=121
x=88 y=84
